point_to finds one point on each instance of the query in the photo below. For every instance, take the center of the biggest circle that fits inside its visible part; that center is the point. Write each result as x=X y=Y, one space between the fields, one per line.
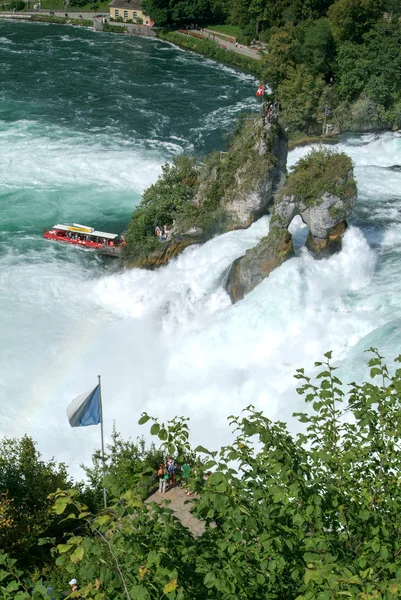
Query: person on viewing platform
x=162 y=481
x=171 y=470
x=74 y=586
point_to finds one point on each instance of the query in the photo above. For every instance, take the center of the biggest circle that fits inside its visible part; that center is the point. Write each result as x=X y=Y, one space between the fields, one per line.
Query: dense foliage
x=329 y=62
x=161 y=204
x=25 y=483
x=129 y=466
x=209 y=48
x=311 y=516
x=320 y=172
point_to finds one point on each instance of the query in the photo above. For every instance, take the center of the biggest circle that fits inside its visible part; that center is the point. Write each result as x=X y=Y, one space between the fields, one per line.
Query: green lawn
x=102 y=7
x=232 y=30
x=50 y=4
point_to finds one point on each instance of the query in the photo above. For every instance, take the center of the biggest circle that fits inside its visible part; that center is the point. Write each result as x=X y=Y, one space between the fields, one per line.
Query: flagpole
x=101 y=433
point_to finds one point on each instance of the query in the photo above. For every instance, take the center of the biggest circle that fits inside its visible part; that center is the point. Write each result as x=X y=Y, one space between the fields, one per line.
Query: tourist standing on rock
x=171 y=470
x=185 y=475
x=162 y=480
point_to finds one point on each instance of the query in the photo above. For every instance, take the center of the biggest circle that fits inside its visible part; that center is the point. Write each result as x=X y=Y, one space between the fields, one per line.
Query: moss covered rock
x=322 y=190
x=165 y=252
x=257 y=162
x=228 y=190
x=250 y=270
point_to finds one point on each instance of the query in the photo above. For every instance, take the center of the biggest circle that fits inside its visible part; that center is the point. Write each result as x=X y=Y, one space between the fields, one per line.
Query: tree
x=128 y=466
x=311 y=516
x=299 y=96
x=373 y=67
x=25 y=483
x=281 y=58
x=318 y=48
x=161 y=204
x=158 y=10
x=350 y=19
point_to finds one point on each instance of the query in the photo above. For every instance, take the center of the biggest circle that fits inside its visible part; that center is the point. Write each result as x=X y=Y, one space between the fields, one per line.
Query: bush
x=162 y=203
x=314 y=515
x=319 y=172
x=18 y=5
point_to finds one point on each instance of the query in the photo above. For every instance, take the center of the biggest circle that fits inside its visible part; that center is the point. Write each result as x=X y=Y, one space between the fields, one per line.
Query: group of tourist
x=167 y=475
x=74 y=589
x=162 y=233
x=83 y=238
x=270 y=112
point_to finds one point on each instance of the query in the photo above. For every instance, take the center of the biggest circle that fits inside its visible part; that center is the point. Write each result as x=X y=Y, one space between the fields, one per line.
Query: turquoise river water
x=86 y=121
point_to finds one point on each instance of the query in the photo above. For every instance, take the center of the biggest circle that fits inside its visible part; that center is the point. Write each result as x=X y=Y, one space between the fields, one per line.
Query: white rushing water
x=169 y=342
x=86 y=121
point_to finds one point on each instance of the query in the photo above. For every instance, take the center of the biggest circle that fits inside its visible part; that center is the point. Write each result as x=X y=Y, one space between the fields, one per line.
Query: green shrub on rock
x=162 y=203
x=320 y=172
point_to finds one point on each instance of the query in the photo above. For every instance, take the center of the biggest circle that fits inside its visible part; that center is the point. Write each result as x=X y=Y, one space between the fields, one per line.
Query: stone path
x=181 y=510
x=226 y=44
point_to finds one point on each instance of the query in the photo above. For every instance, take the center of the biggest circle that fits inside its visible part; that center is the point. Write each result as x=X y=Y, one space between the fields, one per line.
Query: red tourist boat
x=86 y=237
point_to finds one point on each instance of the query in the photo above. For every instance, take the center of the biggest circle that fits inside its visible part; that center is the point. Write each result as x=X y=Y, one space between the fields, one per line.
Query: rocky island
x=230 y=190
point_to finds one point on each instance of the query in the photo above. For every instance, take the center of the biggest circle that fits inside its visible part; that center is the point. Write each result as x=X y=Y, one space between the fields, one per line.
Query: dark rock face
x=166 y=252
x=330 y=245
x=250 y=270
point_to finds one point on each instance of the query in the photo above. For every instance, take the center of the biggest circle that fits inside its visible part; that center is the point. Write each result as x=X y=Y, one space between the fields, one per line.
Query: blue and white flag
x=85 y=410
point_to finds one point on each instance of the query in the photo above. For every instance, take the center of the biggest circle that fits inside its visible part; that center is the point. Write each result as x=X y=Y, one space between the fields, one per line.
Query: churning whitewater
x=81 y=143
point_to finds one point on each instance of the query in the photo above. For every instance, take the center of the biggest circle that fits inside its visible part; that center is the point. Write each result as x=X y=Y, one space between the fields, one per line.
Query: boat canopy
x=87 y=230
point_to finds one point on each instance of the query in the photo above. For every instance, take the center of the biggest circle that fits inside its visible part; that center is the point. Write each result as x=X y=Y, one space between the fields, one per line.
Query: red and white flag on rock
x=261 y=90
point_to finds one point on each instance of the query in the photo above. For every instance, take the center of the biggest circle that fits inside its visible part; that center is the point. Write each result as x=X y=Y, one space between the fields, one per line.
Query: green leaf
x=171 y=586
x=139 y=592
x=374 y=372
x=210 y=580
x=13 y=586
x=202 y=449
x=59 y=506
x=144 y=419
x=64 y=548
x=154 y=430
x=163 y=434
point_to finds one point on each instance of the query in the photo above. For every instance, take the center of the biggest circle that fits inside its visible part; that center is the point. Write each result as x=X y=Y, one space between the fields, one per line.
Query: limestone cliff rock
x=322 y=191
x=262 y=159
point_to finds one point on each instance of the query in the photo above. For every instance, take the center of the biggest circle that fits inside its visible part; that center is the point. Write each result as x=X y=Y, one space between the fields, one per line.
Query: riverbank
x=57 y=17
x=210 y=48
